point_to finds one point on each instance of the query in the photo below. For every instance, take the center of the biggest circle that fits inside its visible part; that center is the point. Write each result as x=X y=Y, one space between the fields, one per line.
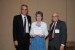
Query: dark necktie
x=51 y=32
x=25 y=25
x=52 y=28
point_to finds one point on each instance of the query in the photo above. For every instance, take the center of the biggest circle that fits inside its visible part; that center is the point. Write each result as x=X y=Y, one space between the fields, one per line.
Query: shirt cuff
x=62 y=45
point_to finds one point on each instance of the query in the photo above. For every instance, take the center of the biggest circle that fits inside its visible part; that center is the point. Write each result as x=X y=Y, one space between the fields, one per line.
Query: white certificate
x=37 y=31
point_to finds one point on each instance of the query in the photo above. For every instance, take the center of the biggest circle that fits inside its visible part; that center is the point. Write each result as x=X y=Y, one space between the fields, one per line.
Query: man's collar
x=23 y=15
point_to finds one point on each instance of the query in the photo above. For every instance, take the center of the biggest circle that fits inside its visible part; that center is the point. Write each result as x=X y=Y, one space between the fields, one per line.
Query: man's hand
x=16 y=43
x=61 y=47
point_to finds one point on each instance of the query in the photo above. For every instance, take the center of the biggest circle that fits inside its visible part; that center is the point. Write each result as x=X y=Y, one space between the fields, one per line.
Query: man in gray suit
x=57 y=34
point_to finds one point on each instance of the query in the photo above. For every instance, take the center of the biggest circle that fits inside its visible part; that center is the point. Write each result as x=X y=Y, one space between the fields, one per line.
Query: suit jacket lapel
x=21 y=20
x=28 y=19
x=57 y=24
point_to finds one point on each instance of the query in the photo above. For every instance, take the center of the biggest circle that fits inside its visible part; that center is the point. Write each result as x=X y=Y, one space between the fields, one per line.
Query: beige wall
x=9 y=8
x=71 y=19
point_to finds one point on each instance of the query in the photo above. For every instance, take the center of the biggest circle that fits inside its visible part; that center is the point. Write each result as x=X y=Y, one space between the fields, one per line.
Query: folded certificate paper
x=37 y=31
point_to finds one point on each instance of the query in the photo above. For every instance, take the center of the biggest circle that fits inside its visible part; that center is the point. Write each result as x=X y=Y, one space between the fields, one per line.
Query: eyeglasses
x=24 y=9
x=54 y=16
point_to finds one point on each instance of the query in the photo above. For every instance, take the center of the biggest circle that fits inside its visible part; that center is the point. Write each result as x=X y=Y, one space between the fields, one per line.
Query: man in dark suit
x=57 y=34
x=21 y=28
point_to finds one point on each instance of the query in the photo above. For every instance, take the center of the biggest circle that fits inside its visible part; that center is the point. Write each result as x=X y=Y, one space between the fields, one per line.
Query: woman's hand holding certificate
x=33 y=35
x=42 y=35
